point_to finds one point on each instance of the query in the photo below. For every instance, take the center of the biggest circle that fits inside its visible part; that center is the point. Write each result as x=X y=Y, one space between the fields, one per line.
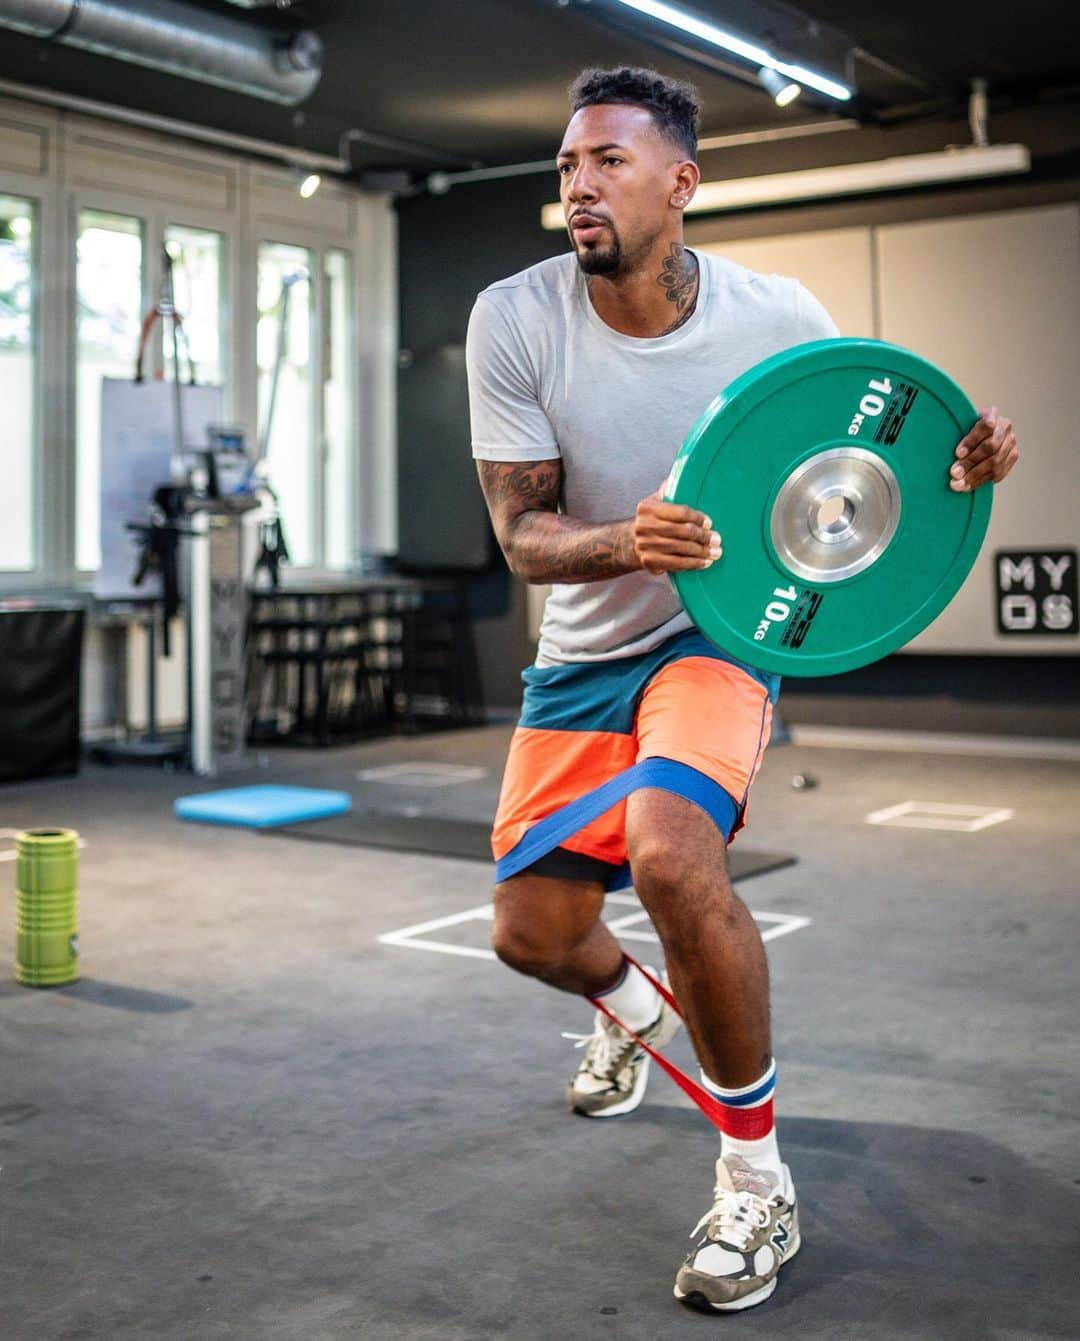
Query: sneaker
x=743 y=1241
x=613 y=1073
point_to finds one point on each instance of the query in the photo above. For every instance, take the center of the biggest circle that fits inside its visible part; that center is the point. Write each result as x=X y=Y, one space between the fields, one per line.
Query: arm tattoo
x=540 y=543
x=520 y=485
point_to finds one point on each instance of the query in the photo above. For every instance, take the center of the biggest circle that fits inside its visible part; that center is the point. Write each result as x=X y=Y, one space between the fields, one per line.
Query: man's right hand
x=671 y=538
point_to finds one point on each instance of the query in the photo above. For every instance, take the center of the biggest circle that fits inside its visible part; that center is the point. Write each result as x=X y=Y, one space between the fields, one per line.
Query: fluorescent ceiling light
x=885 y=174
x=782 y=91
x=718 y=37
x=310 y=185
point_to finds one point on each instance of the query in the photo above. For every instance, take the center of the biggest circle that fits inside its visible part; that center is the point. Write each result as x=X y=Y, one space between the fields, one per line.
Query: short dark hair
x=674 y=104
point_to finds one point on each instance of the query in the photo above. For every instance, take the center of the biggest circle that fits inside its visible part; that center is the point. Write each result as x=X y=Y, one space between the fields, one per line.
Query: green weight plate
x=825 y=470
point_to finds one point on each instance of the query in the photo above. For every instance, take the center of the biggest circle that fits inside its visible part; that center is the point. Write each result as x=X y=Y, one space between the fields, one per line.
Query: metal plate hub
x=835 y=514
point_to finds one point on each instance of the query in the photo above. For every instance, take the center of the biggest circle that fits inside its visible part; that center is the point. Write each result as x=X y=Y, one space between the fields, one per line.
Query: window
x=339 y=377
x=286 y=401
x=18 y=347
x=198 y=272
x=109 y=285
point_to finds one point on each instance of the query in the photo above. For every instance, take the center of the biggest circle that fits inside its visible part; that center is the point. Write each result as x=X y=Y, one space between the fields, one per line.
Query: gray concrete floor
x=253 y=1120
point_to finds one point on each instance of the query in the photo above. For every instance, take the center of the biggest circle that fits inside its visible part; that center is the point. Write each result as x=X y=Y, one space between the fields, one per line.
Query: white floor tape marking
x=418 y=774
x=940 y=815
x=934 y=742
x=416 y=937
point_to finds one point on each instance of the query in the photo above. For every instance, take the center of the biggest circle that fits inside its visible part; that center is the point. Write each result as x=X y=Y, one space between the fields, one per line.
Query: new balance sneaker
x=743 y=1241
x=615 y=1069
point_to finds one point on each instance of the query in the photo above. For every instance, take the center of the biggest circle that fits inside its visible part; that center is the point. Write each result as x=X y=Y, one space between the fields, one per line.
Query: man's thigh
x=713 y=716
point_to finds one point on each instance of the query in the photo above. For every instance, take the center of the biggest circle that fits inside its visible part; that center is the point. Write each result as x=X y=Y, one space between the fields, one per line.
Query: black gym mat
x=465 y=839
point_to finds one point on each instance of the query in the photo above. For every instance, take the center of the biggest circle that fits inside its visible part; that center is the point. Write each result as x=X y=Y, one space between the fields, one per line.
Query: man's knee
x=524 y=948
x=526 y=939
x=664 y=867
x=679 y=885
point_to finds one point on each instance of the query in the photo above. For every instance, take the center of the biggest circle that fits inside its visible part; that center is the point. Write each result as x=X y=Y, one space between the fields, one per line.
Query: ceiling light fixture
x=310 y=185
x=782 y=91
x=885 y=174
x=737 y=46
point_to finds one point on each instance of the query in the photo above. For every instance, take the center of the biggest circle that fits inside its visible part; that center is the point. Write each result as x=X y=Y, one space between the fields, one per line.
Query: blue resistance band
x=667 y=774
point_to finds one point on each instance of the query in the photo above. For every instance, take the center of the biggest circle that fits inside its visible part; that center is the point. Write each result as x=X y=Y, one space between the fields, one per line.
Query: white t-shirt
x=549 y=378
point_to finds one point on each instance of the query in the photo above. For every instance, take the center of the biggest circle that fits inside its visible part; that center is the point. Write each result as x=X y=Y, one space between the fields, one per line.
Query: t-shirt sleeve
x=813 y=321
x=508 y=422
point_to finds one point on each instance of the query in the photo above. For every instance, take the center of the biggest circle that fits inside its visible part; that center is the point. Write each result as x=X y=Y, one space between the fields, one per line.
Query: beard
x=612 y=259
x=601 y=260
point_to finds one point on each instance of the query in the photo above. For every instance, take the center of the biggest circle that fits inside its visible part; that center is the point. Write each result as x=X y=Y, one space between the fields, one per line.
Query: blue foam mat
x=262 y=807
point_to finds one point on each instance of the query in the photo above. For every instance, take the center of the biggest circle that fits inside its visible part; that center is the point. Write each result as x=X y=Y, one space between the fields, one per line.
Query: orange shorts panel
x=547 y=770
x=700 y=709
x=708 y=714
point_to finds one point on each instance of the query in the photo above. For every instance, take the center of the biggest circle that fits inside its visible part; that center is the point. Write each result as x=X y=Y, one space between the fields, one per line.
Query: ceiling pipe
x=395 y=144
x=175 y=37
x=439 y=183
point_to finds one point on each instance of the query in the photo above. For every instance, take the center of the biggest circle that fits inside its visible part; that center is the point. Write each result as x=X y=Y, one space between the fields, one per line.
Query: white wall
x=836 y=265
x=995 y=301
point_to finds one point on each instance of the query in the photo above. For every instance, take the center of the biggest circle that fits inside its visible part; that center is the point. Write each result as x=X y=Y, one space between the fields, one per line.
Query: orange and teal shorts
x=683 y=717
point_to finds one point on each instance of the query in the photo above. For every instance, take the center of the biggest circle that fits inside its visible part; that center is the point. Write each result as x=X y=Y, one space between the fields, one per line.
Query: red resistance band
x=740 y=1123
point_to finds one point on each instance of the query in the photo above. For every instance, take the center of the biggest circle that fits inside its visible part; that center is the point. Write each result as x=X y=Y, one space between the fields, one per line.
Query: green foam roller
x=46 y=907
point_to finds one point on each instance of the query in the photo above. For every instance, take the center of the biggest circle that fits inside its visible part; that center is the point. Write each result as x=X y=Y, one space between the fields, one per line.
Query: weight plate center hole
x=833 y=517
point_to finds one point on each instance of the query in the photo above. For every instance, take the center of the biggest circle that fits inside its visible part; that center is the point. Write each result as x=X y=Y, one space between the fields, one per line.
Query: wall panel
x=100 y=162
x=836 y=265
x=23 y=147
x=994 y=299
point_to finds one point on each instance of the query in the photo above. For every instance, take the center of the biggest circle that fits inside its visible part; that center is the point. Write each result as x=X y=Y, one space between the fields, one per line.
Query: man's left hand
x=987 y=453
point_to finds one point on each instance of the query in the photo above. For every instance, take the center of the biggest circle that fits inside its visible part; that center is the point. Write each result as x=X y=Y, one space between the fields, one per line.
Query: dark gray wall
x=451 y=247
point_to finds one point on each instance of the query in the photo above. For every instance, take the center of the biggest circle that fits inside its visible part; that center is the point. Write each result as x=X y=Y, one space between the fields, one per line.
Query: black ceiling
x=485 y=80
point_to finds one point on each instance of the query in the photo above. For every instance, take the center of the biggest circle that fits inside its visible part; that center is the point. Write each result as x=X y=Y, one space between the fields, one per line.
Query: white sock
x=633 y=999
x=760 y=1154
x=760 y=1151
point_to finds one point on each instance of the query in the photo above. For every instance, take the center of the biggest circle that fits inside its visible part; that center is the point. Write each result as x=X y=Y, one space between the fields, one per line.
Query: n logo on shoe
x=780 y=1237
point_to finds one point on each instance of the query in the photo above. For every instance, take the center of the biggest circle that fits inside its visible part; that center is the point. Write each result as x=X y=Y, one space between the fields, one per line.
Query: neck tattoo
x=679 y=279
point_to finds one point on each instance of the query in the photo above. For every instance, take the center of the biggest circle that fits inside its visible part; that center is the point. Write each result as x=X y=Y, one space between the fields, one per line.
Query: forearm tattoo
x=549 y=547
x=540 y=543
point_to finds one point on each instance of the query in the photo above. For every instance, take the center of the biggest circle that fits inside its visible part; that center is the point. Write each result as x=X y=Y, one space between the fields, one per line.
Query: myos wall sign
x=1037 y=591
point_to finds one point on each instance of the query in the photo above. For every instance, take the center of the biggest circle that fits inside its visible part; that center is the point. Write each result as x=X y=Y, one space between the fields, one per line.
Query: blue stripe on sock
x=755 y=1096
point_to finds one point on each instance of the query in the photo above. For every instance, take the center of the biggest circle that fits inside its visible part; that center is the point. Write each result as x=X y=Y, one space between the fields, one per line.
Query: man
x=585 y=374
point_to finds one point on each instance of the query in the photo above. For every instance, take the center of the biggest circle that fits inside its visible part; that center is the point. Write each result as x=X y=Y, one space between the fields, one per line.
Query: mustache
x=583 y=213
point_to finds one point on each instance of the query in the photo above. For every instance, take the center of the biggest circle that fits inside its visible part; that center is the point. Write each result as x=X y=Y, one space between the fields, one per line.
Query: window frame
x=318 y=243
x=50 y=525
x=248 y=220
x=38 y=543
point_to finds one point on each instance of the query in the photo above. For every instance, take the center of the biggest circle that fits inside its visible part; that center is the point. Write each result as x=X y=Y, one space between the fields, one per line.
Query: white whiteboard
x=136 y=451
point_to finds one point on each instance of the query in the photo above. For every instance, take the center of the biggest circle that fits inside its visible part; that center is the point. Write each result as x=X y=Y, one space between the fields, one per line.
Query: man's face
x=617 y=174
